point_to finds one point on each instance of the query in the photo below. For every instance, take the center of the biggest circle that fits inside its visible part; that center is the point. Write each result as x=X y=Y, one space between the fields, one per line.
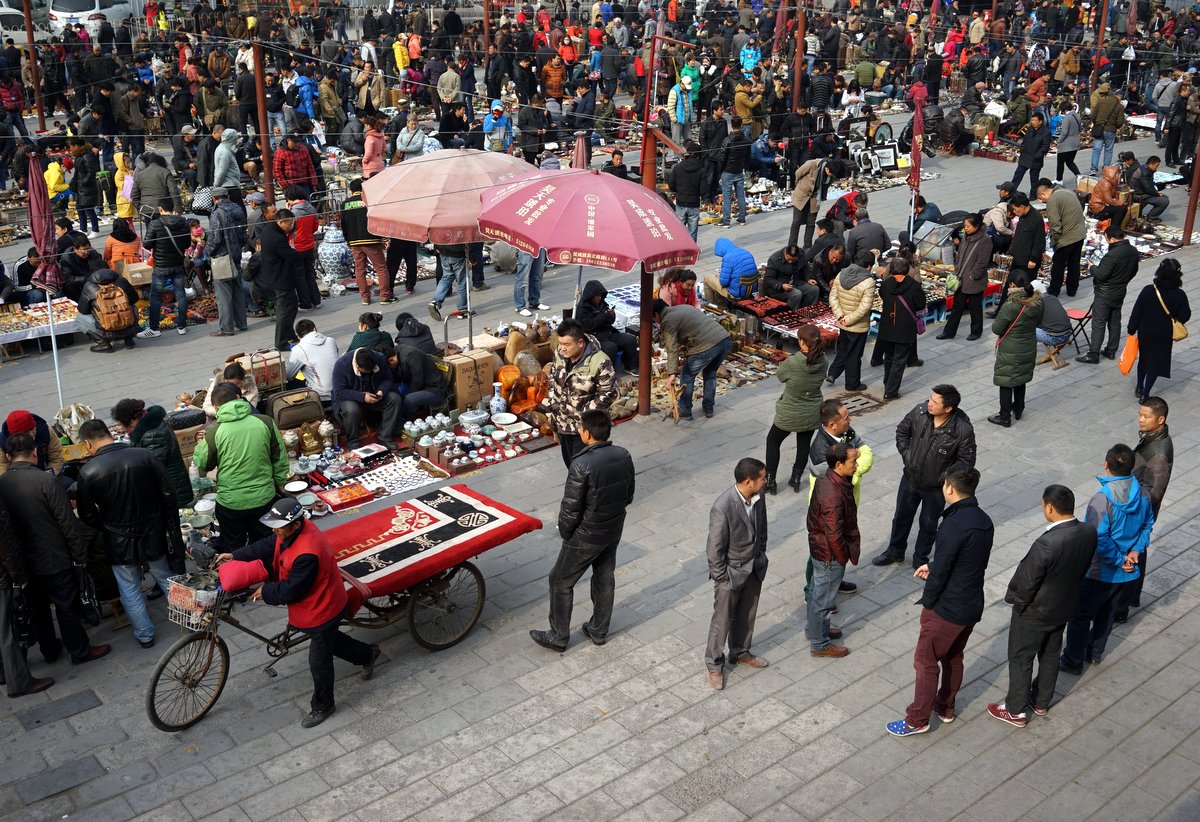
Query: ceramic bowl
x=504 y=419
x=473 y=418
x=500 y=435
x=206 y=506
x=297 y=487
x=307 y=499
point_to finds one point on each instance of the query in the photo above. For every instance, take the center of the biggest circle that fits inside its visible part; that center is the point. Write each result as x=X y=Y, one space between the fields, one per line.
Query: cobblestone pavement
x=498 y=728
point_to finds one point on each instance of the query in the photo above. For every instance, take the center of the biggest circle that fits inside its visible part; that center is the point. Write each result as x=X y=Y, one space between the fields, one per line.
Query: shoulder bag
x=920 y=321
x=1178 y=330
x=1010 y=327
x=222 y=268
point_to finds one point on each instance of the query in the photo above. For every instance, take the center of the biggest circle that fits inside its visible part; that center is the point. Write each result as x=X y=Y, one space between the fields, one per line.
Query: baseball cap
x=188 y=130
x=1006 y=186
x=219 y=191
x=285 y=510
x=20 y=422
x=685 y=81
x=256 y=197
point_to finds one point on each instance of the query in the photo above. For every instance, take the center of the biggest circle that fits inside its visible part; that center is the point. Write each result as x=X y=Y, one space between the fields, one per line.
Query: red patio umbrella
x=583 y=217
x=41 y=225
x=435 y=197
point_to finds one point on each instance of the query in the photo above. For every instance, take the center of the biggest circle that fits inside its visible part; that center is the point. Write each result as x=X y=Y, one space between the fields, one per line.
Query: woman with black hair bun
x=1158 y=308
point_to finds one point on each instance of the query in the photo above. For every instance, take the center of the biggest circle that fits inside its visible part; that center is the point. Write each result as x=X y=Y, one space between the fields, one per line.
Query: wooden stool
x=1053 y=355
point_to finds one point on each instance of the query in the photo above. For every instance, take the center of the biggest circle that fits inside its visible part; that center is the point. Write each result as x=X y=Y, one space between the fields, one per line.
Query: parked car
x=89 y=12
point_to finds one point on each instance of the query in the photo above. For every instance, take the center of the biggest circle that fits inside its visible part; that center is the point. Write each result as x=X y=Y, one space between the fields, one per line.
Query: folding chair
x=1053 y=355
x=1080 y=318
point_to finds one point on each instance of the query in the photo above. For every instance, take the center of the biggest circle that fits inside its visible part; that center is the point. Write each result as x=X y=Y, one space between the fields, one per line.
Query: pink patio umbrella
x=583 y=217
x=435 y=197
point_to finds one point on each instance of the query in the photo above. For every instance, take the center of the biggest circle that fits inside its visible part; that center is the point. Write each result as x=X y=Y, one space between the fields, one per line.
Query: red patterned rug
x=410 y=541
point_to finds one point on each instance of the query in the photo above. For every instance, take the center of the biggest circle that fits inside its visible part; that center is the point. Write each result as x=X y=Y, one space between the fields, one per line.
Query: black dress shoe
x=862 y=386
x=887 y=559
x=944 y=336
x=1004 y=422
x=847 y=587
x=1017 y=414
x=315 y=718
x=973 y=337
x=368 y=670
x=1089 y=358
x=890 y=397
x=1110 y=355
x=543 y=638
x=915 y=363
x=596 y=640
x=771 y=487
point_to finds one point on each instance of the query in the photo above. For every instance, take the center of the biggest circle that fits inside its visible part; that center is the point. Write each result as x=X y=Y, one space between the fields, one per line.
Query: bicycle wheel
x=443 y=609
x=187 y=681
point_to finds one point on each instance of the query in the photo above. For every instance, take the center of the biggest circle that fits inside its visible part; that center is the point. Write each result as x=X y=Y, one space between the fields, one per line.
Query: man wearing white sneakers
x=527 y=287
x=168 y=237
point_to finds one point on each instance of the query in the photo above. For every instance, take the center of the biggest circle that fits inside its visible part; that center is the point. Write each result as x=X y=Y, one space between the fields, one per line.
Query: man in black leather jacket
x=124 y=493
x=599 y=488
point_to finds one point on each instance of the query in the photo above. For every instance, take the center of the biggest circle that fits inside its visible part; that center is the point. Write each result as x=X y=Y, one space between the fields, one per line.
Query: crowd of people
x=566 y=69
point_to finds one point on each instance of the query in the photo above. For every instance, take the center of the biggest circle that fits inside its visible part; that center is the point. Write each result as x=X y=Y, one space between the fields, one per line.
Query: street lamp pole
x=33 y=68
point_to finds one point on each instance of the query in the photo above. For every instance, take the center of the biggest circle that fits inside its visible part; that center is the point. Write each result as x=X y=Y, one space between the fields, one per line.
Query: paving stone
x=1006 y=803
x=594 y=806
x=477 y=799
x=343 y=799
x=57 y=709
x=115 y=809
x=300 y=759
x=822 y=794
x=229 y=791
x=535 y=804
x=169 y=787
x=402 y=803
x=640 y=784
x=470 y=770
x=56 y=780
x=112 y=784
x=283 y=796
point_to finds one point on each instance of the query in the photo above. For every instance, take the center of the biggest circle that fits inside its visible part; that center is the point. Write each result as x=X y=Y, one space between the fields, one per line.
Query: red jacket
x=294 y=166
x=313 y=598
x=12 y=96
x=833 y=520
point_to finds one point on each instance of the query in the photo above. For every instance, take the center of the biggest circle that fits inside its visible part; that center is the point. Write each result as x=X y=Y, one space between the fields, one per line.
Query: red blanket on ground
x=410 y=541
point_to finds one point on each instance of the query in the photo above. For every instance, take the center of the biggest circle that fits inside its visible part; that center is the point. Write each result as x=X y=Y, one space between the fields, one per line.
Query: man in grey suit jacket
x=737 y=565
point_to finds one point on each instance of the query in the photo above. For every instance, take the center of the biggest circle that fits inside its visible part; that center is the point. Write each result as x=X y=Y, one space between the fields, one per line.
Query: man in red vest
x=303 y=575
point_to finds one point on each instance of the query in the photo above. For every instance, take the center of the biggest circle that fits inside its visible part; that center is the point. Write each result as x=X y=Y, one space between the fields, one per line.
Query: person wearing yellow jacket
x=56 y=187
x=400 y=51
x=124 y=204
x=835 y=427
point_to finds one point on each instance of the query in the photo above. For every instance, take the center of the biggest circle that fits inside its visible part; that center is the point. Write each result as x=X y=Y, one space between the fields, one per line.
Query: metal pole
x=260 y=95
x=37 y=95
x=780 y=27
x=487 y=26
x=645 y=343
x=798 y=61
x=933 y=8
x=1099 y=42
x=1190 y=219
x=649 y=144
x=53 y=339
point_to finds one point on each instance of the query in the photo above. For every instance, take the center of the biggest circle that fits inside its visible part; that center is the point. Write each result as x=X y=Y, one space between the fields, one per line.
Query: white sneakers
x=543 y=307
x=149 y=334
x=524 y=312
x=181 y=331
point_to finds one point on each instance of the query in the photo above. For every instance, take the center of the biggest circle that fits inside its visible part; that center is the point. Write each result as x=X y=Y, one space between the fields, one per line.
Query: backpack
x=112 y=309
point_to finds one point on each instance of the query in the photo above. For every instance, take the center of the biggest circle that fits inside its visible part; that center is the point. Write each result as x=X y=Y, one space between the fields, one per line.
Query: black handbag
x=21 y=618
x=88 y=601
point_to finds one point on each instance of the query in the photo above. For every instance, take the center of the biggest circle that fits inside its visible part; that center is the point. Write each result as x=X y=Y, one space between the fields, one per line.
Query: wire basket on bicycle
x=194 y=600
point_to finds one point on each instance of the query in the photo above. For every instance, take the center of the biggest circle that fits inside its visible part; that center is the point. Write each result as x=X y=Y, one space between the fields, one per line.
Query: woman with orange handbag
x=1158 y=319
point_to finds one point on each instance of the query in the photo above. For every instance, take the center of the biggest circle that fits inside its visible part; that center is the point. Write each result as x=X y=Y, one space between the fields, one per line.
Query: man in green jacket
x=249 y=452
x=706 y=342
x=1065 y=215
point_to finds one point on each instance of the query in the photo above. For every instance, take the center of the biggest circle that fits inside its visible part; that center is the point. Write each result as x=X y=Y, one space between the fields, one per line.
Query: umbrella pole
x=54 y=346
x=578 y=286
x=645 y=343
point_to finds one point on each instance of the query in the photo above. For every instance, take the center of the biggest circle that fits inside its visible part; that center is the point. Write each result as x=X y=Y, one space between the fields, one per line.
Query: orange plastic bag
x=1129 y=354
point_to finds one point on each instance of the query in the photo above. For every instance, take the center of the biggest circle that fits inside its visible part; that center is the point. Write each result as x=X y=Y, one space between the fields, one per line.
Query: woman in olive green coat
x=147 y=428
x=798 y=409
x=1016 y=351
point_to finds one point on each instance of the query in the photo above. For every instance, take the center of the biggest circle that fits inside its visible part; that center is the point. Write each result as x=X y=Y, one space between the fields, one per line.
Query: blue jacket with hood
x=739 y=272
x=491 y=123
x=1120 y=513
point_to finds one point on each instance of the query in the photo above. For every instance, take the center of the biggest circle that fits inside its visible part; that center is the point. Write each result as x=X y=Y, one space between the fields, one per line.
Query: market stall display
x=18 y=325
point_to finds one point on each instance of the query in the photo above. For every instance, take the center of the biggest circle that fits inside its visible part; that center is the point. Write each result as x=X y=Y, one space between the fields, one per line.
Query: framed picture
x=887 y=155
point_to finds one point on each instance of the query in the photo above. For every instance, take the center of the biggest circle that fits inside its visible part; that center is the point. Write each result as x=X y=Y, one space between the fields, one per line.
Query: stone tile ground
x=499 y=729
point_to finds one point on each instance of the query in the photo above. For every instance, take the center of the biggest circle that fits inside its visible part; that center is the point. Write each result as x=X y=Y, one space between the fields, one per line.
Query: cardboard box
x=482 y=341
x=138 y=274
x=544 y=351
x=471 y=375
x=269 y=368
x=187 y=437
x=1086 y=185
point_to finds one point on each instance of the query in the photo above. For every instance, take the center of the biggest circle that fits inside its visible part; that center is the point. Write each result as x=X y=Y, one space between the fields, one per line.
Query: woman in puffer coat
x=148 y=429
x=1016 y=351
x=851 y=296
x=798 y=409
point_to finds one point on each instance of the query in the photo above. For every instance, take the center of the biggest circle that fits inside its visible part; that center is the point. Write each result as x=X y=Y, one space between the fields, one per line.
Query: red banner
x=918 y=95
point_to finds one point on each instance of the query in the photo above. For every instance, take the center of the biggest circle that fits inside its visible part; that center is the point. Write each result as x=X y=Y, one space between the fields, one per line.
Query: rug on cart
x=408 y=542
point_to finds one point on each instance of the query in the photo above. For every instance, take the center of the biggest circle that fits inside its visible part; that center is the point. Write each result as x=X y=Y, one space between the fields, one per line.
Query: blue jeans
x=731 y=182
x=158 y=282
x=414 y=401
x=527 y=285
x=275 y=119
x=706 y=363
x=15 y=120
x=1158 y=121
x=1110 y=137
x=690 y=217
x=822 y=591
x=454 y=270
x=1046 y=339
x=129 y=583
x=1088 y=630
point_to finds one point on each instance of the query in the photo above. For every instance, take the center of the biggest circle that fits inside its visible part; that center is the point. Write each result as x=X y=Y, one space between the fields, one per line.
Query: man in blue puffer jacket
x=739 y=273
x=1121 y=514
